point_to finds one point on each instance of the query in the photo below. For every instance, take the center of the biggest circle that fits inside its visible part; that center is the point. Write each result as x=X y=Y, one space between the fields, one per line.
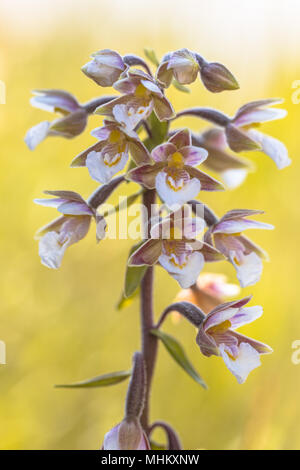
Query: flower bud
x=215 y=77
x=128 y=435
x=105 y=67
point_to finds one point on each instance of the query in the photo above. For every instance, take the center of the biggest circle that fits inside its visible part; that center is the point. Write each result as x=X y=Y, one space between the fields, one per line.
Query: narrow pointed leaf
x=150 y=54
x=180 y=87
x=177 y=352
x=134 y=275
x=100 y=381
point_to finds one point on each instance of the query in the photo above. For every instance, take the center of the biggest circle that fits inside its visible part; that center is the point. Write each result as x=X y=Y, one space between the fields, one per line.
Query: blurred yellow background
x=61 y=326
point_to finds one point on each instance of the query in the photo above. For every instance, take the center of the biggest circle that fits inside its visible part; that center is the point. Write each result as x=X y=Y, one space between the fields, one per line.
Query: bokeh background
x=62 y=326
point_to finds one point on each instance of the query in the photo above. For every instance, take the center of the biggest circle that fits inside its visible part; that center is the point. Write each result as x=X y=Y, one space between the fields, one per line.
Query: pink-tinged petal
x=37 y=134
x=111 y=439
x=229 y=243
x=187 y=274
x=239 y=225
x=106 y=109
x=69 y=195
x=80 y=160
x=54 y=101
x=193 y=156
x=207 y=344
x=110 y=58
x=245 y=315
x=70 y=126
x=216 y=318
x=210 y=253
x=102 y=166
x=162 y=152
x=164 y=75
x=272 y=147
x=75 y=208
x=247 y=360
x=51 y=251
x=163 y=108
x=181 y=139
x=139 y=152
x=152 y=87
x=260 y=347
x=126 y=436
x=253 y=105
x=248 y=270
x=126 y=86
x=49 y=202
x=256 y=116
x=174 y=195
x=101 y=133
x=239 y=141
x=234 y=178
x=147 y=254
x=215 y=138
x=240 y=213
x=185 y=66
x=145 y=174
x=207 y=182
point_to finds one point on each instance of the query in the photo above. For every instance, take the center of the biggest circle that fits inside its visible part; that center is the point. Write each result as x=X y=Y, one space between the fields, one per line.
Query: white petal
x=37 y=134
x=246 y=315
x=234 y=178
x=260 y=115
x=248 y=270
x=272 y=147
x=179 y=197
x=51 y=251
x=247 y=360
x=101 y=172
x=188 y=274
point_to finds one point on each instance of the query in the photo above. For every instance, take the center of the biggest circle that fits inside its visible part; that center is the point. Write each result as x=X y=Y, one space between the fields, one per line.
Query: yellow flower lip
x=221 y=328
x=115 y=136
x=176 y=160
x=141 y=91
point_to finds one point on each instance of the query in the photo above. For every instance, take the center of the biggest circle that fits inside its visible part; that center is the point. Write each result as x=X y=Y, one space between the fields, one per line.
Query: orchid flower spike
x=174 y=174
x=245 y=256
x=71 y=124
x=70 y=228
x=217 y=336
x=174 y=245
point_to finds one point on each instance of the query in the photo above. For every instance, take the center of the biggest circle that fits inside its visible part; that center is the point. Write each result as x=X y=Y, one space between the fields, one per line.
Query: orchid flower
x=245 y=256
x=109 y=156
x=174 y=245
x=141 y=94
x=68 y=229
x=70 y=125
x=184 y=66
x=174 y=174
x=242 y=133
x=217 y=336
x=233 y=170
x=105 y=67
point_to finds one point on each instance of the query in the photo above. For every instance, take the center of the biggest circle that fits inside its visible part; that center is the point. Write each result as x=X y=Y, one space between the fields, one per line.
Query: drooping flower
x=105 y=67
x=141 y=94
x=128 y=435
x=242 y=133
x=233 y=170
x=245 y=256
x=209 y=291
x=184 y=66
x=174 y=174
x=174 y=245
x=68 y=229
x=116 y=139
x=71 y=124
x=217 y=336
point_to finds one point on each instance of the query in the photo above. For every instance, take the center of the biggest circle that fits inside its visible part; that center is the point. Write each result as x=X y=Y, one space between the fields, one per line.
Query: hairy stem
x=149 y=341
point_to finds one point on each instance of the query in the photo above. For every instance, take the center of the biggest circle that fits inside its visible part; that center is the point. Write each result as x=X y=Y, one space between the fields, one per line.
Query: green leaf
x=134 y=275
x=100 y=381
x=178 y=354
x=151 y=55
x=126 y=301
x=180 y=87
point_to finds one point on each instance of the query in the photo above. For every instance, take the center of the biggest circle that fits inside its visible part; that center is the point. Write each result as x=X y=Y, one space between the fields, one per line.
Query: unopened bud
x=216 y=78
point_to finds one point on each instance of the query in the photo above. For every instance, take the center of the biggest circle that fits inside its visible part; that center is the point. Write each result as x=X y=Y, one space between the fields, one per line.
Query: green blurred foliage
x=62 y=326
